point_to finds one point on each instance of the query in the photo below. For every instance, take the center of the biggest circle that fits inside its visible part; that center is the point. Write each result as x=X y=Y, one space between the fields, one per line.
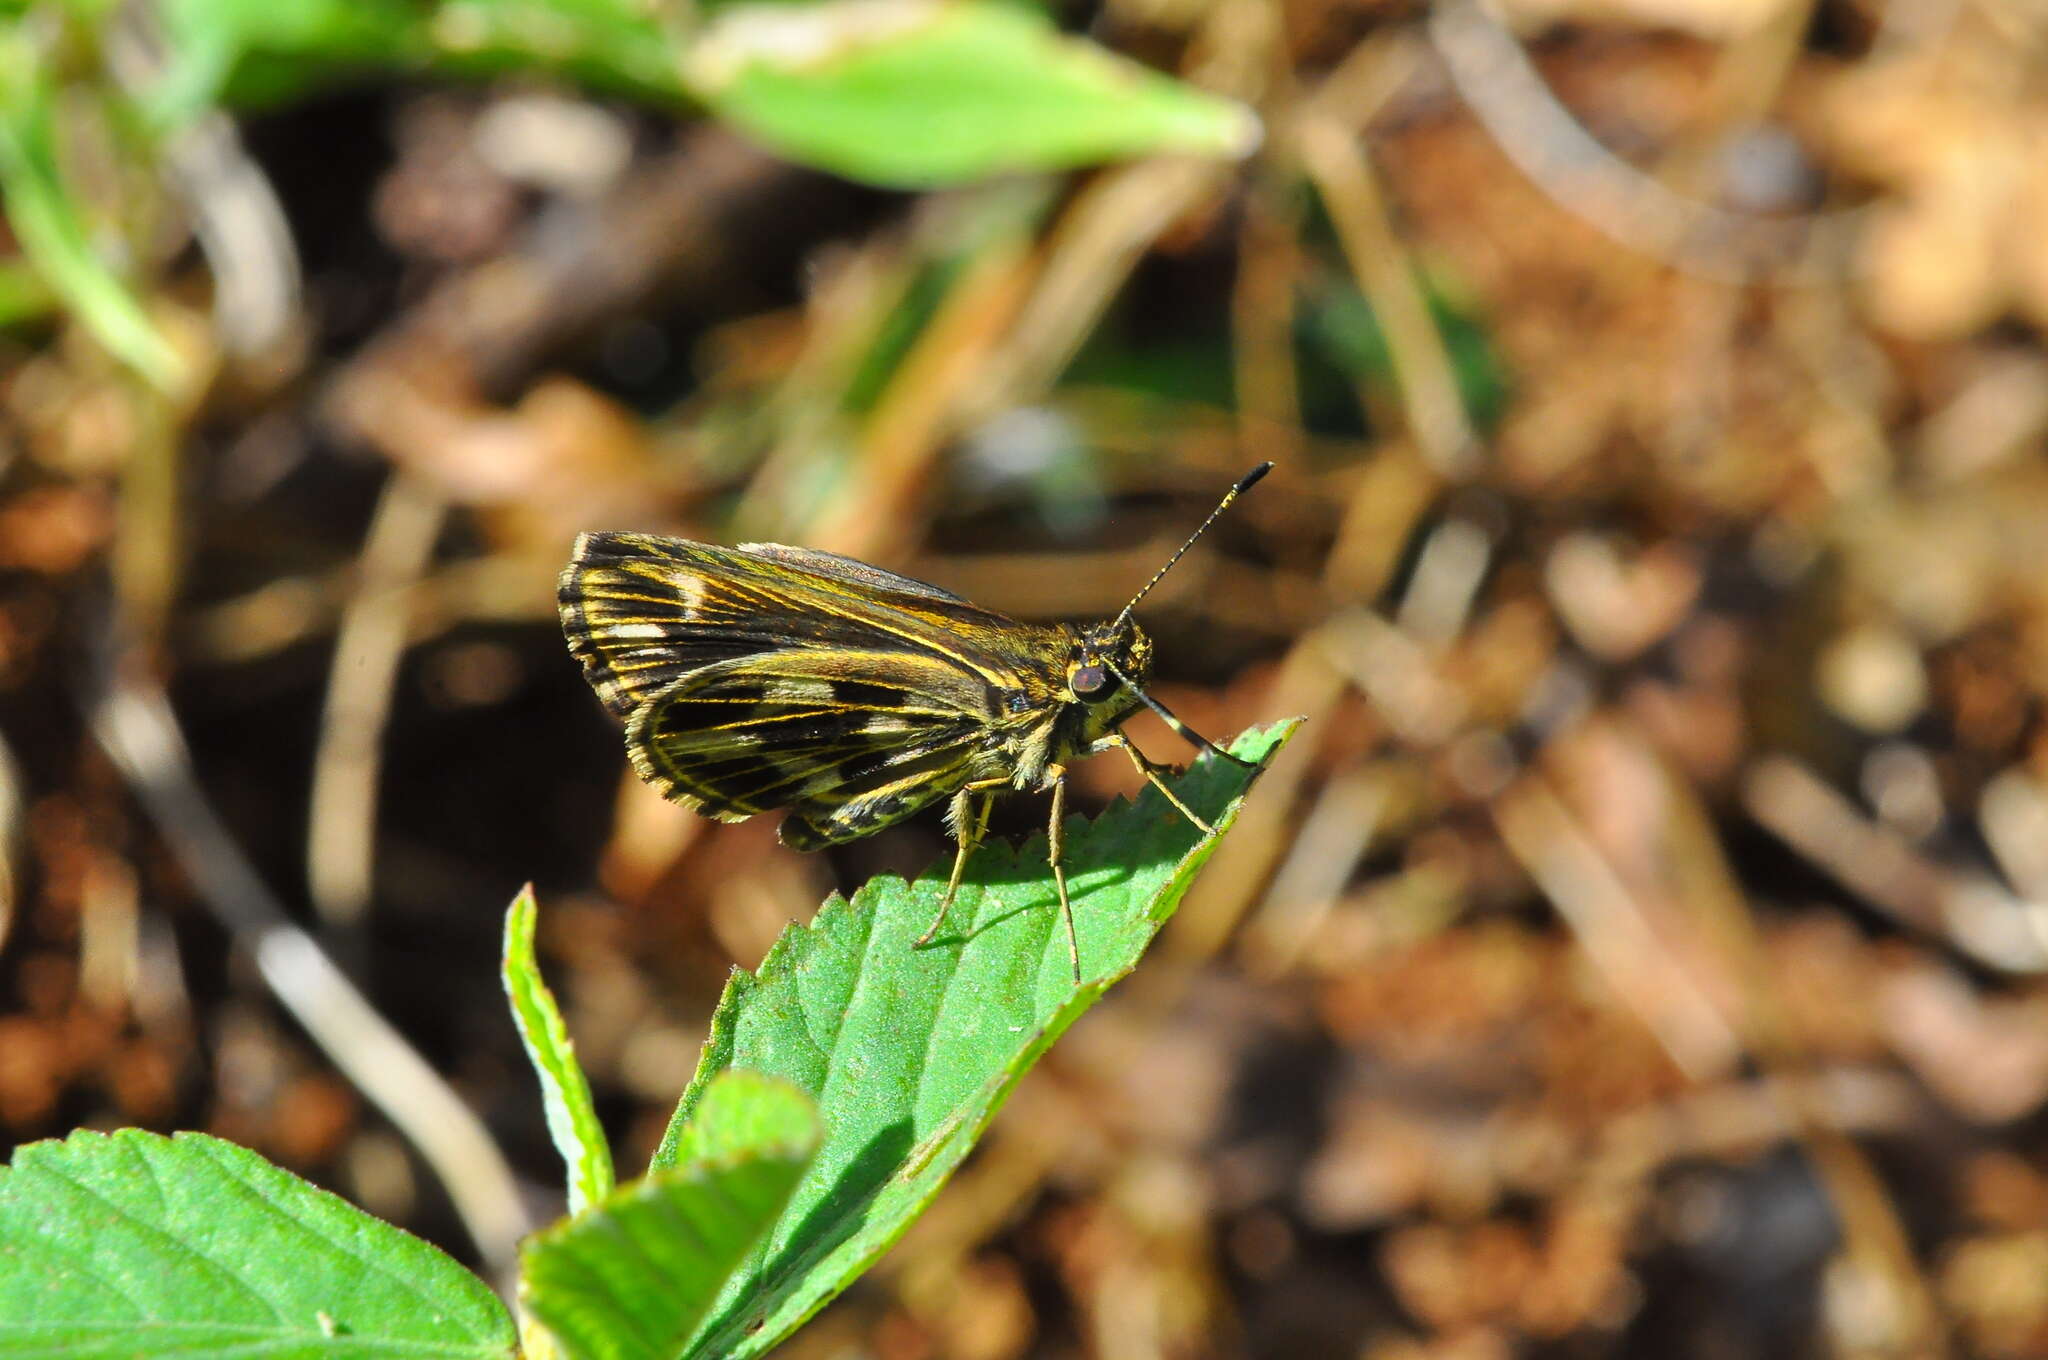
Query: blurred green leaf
x=253 y=53
x=631 y=1278
x=1339 y=329
x=1187 y=366
x=565 y=1091
x=24 y=295
x=916 y=93
x=896 y=92
x=910 y=1052
x=621 y=46
x=51 y=225
x=129 y=1244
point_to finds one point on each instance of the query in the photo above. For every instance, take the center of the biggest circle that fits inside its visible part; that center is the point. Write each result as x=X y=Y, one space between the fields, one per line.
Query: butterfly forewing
x=641 y=612
x=849 y=570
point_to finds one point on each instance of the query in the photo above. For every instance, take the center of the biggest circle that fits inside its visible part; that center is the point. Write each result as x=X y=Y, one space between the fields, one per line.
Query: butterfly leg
x=1187 y=733
x=969 y=825
x=1056 y=775
x=1151 y=772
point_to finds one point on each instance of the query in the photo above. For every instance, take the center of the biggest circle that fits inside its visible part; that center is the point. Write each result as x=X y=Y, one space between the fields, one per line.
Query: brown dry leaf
x=565 y=458
x=1987 y=1059
x=1997 y=1288
x=1716 y=20
x=1959 y=133
x=1616 y=606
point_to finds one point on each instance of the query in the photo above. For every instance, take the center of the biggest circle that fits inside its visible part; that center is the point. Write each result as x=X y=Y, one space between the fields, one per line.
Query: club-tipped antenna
x=1244 y=484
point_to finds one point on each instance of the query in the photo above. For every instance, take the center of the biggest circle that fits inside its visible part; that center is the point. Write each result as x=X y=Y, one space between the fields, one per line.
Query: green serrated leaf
x=127 y=1244
x=910 y=1052
x=633 y=1277
x=918 y=93
x=565 y=1091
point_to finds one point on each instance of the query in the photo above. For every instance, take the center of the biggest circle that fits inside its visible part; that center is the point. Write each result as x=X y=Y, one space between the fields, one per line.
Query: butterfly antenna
x=1244 y=484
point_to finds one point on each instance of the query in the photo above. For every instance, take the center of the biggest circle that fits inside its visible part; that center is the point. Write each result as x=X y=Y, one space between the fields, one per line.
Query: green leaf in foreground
x=916 y=93
x=633 y=1277
x=131 y=1244
x=565 y=1091
x=910 y=1052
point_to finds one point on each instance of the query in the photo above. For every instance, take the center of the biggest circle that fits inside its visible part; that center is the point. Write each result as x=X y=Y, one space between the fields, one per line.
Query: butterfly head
x=1108 y=662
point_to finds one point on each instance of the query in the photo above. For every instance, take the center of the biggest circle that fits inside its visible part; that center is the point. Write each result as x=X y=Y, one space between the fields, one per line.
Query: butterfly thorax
x=1082 y=702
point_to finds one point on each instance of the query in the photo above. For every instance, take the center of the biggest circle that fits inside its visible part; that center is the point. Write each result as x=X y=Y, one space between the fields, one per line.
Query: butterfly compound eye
x=1088 y=682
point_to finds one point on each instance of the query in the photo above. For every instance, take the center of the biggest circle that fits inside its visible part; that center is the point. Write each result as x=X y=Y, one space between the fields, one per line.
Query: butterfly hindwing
x=812 y=729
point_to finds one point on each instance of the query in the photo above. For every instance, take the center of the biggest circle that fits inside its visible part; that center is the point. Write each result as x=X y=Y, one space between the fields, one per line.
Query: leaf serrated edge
x=717 y=1051
x=995 y=1092
x=218 y=1158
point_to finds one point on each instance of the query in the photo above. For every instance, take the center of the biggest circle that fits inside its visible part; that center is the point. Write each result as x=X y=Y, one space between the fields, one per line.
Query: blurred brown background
x=1639 y=952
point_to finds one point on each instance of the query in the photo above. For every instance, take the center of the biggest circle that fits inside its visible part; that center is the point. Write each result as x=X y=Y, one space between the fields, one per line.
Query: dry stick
x=1973 y=916
x=1352 y=649
x=1403 y=480
x=806 y=406
x=341 y=825
x=1307 y=684
x=1099 y=240
x=13 y=821
x=1335 y=836
x=918 y=410
x=1005 y=332
x=499 y=588
x=1609 y=924
x=1262 y=325
x=1749 y=74
x=1545 y=142
x=236 y=217
x=1435 y=409
x=1872 y=1232
x=109 y=932
x=133 y=720
x=2013 y=813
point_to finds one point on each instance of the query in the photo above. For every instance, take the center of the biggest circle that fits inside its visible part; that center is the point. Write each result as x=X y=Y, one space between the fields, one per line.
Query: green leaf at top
x=50 y=222
x=633 y=1277
x=565 y=1091
x=917 y=93
x=128 y=1244
x=259 y=53
x=909 y=1052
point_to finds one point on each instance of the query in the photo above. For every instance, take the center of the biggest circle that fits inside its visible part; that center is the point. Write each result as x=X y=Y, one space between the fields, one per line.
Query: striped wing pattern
x=851 y=740
x=769 y=677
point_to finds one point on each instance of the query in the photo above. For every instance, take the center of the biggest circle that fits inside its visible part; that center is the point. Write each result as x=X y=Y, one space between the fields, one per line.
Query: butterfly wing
x=641 y=611
x=838 y=567
x=852 y=740
x=772 y=677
